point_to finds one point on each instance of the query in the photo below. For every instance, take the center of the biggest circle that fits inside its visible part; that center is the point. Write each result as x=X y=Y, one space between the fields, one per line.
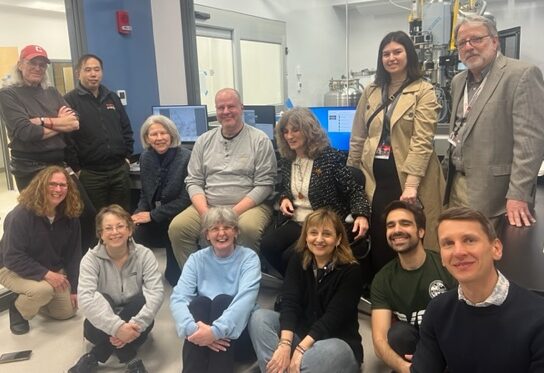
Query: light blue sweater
x=205 y=274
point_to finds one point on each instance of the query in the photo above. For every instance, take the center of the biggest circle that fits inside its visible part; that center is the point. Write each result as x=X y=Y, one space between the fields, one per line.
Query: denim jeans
x=325 y=356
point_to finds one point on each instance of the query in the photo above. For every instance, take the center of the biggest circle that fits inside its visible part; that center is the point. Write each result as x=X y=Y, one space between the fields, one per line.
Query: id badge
x=453 y=140
x=383 y=151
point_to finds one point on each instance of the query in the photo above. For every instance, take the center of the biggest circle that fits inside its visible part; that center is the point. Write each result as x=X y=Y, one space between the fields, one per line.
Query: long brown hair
x=342 y=254
x=34 y=196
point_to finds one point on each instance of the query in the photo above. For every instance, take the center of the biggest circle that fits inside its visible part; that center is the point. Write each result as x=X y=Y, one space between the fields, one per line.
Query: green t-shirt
x=407 y=293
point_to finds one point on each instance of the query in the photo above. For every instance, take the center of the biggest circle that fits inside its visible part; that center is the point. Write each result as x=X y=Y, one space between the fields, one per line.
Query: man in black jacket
x=98 y=152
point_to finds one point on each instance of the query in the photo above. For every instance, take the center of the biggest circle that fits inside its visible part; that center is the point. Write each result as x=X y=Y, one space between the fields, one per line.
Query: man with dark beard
x=402 y=289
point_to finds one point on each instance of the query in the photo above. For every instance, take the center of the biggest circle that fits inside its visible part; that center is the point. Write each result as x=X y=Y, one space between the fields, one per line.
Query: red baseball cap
x=31 y=51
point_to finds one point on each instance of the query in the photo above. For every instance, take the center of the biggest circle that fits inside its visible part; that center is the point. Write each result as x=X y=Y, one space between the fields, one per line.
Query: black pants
x=86 y=220
x=197 y=359
x=103 y=349
x=107 y=187
x=403 y=338
x=277 y=244
x=155 y=235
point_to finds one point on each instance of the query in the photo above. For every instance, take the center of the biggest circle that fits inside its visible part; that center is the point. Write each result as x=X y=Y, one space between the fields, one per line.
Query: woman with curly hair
x=314 y=176
x=41 y=249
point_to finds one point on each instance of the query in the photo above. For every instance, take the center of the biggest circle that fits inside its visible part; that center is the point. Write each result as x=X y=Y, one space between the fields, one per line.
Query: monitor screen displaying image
x=262 y=117
x=191 y=121
x=337 y=122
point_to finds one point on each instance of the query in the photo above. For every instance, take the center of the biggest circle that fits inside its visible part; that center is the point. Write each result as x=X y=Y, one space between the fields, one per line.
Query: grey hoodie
x=98 y=275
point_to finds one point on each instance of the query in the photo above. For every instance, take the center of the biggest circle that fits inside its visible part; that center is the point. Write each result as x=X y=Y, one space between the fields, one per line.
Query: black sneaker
x=86 y=364
x=136 y=366
x=17 y=323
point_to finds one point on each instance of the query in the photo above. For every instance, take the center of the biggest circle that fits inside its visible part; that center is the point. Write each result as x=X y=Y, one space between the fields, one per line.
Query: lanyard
x=467 y=105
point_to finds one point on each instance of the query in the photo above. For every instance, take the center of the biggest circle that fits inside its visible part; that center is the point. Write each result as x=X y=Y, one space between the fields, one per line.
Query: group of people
x=212 y=209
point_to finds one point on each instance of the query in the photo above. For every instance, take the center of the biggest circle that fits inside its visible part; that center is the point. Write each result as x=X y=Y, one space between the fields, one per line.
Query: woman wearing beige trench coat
x=398 y=160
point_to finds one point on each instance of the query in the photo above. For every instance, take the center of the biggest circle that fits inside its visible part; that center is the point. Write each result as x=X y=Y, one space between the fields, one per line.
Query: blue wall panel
x=129 y=61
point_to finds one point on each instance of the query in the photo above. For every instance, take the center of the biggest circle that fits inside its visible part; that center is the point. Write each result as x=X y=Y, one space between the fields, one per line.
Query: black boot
x=17 y=323
x=86 y=364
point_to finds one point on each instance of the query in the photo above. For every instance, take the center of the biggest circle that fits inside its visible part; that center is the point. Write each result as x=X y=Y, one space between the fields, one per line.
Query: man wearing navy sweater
x=488 y=324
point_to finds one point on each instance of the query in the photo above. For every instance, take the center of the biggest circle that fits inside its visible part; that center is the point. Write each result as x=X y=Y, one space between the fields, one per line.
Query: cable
x=399 y=6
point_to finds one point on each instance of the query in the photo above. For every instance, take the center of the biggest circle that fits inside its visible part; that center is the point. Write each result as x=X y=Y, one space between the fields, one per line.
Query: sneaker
x=86 y=364
x=17 y=323
x=136 y=366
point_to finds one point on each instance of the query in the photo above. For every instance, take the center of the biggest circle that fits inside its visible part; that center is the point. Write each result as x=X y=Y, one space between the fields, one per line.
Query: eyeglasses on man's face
x=474 y=42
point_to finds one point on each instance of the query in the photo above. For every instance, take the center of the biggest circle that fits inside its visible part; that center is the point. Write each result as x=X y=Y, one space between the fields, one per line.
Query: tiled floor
x=57 y=345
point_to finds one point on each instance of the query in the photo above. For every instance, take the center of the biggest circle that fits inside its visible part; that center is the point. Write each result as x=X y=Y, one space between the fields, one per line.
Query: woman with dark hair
x=317 y=328
x=216 y=293
x=120 y=292
x=40 y=250
x=163 y=169
x=314 y=175
x=392 y=142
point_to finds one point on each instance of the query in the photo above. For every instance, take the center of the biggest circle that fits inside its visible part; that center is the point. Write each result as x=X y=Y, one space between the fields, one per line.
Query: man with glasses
x=496 y=128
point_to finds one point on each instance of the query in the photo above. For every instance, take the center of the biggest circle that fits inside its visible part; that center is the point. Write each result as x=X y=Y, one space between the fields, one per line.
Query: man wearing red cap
x=35 y=114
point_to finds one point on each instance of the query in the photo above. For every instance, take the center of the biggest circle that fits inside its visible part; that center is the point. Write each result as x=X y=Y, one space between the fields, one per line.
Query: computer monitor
x=191 y=121
x=337 y=122
x=262 y=117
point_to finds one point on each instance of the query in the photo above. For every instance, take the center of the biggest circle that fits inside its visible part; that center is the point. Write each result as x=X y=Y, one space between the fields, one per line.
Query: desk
x=523 y=259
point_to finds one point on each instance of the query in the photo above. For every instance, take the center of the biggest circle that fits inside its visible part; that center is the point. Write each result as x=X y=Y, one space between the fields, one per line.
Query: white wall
x=21 y=26
x=169 y=57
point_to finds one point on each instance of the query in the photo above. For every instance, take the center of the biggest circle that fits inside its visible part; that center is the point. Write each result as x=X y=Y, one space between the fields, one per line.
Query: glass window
x=261 y=72
x=215 y=67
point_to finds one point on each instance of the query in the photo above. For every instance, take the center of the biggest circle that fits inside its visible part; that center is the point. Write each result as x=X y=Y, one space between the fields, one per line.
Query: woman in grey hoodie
x=120 y=291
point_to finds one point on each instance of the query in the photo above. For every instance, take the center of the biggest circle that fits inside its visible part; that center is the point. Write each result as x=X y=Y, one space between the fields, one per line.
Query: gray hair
x=489 y=23
x=15 y=78
x=231 y=90
x=219 y=215
x=168 y=125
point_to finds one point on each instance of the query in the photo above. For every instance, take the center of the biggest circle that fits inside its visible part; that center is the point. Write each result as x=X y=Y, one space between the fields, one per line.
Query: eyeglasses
x=37 y=64
x=474 y=42
x=54 y=185
x=118 y=228
x=217 y=229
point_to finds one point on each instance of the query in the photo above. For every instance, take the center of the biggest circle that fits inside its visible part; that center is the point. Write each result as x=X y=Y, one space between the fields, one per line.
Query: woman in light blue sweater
x=215 y=295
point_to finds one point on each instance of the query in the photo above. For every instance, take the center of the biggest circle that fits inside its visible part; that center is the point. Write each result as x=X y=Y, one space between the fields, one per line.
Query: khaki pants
x=37 y=296
x=459 y=191
x=185 y=230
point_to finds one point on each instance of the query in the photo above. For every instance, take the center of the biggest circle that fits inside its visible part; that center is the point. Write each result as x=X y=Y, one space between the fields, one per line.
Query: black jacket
x=31 y=245
x=323 y=310
x=104 y=138
x=331 y=185
x=174 y=197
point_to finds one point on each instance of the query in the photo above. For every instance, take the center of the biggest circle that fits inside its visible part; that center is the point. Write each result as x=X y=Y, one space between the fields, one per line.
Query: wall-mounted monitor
x=191 y=121
x=337 y=122
x=262 y=117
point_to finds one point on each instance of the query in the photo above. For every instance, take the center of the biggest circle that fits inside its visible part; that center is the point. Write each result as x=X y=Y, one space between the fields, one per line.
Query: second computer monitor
x=337 y=122
x=191 y=121
x=262 y=117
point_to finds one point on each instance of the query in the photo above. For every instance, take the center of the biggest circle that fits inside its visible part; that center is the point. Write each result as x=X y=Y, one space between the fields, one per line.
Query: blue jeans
x=325 y=356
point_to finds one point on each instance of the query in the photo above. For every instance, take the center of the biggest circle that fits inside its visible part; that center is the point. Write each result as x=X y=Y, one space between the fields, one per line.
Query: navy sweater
x=499 y=339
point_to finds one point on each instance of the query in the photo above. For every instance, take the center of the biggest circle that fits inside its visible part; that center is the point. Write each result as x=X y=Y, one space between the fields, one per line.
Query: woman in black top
x=163 y=168
x=318 y=321
x=314 y=175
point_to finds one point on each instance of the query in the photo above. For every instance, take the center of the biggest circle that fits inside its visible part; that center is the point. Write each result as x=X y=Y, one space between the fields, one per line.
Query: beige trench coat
x=413 y=125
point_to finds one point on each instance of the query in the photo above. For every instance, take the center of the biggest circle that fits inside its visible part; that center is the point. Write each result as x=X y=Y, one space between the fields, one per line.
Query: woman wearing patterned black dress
x=314 y=175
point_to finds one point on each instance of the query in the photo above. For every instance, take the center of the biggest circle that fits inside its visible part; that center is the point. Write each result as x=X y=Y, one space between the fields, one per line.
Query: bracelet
x=300 y=349
x=284 y=342
x=42 y=122
x=411 y=185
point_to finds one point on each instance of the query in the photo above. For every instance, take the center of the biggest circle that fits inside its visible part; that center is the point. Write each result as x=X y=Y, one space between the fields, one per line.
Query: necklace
x=302 y=166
